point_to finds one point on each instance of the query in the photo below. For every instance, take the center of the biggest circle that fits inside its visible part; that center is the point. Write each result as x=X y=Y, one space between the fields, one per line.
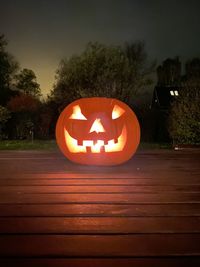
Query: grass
x=51 y=145
x=28 y=145
x=144 y=146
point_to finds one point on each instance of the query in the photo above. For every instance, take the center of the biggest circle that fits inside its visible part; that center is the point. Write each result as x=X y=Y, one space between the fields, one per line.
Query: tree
x=44 y=121
x=24 y=109
x=4 y=114
x=192 y=69
x=4 y=117
x=8 y=68
x=109 y=71
x=23 y=103
x=169 y=73
x=26 y=83
x=184 y=118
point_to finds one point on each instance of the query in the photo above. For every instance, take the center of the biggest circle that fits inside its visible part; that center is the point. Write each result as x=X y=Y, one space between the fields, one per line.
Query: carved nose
x=97 y=127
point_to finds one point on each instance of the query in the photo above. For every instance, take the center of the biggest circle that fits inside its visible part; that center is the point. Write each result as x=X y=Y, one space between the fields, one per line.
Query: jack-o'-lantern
x=98 y=131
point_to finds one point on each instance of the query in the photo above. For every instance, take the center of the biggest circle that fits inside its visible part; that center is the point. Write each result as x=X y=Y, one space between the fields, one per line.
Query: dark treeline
x=180 y=120
x=122 y=72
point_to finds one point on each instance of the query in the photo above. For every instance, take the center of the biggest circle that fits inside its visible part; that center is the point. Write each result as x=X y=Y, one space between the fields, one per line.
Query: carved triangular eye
x=77 y=114
x=117 y=112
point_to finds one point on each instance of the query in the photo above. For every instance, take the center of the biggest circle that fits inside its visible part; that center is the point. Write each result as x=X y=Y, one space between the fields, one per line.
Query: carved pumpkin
x=98 y=130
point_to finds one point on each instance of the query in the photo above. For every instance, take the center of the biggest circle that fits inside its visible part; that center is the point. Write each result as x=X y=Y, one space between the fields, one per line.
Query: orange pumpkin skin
x=98 y=131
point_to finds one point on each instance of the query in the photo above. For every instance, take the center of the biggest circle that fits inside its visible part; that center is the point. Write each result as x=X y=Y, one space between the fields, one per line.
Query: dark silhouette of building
x=167 y=89
x=164 y=95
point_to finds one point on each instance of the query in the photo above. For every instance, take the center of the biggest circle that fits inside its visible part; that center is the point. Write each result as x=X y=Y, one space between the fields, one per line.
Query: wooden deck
x=144 y=213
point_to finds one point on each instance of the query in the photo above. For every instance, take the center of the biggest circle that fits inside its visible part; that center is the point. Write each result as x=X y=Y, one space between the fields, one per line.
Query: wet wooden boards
x=143 y=213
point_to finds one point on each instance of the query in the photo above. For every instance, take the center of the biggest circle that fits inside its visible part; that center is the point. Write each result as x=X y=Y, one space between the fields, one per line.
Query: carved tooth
x=102 y=148
x=105 y=142
x=116 y=140
x=79 y=142
x=100 y=142
x=88 y=148
x=111 y=142
x=87 y=143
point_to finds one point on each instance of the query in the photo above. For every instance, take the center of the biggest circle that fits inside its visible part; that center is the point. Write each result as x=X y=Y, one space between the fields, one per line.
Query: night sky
x=42 y=32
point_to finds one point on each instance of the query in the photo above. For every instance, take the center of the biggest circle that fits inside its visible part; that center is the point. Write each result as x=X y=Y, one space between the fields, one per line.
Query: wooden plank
x=75 y=175
x=193 y=181
x=101 y=198
x=99 y=262
x=141 y=245
x=99 y=189
x=100 y=210
x=100 y=225
x=100 y=173
x=56 y=166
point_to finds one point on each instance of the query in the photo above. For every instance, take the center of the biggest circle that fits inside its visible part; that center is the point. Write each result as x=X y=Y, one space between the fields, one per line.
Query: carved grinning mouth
x=97 y=146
